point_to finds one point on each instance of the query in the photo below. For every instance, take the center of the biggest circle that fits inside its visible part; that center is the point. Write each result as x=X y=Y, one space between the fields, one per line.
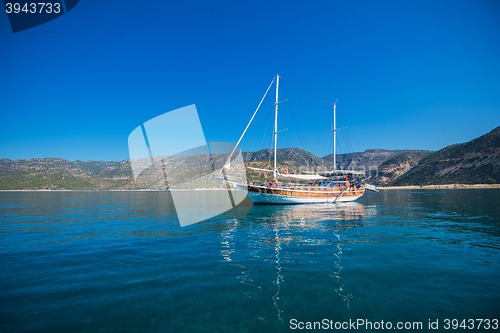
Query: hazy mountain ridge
x=295 y=157
x=396 y=166
x=370 y=159
x=59 y=174
x=467 y=163
x=473 y=162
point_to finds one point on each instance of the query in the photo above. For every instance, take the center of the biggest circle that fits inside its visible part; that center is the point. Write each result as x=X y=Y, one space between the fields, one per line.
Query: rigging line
x=339 y=147
x=267 y=127
x=264 y=136
x=355 y=158
x=348 y=138
x=284 y=115
x=344 y=142
x=301 y=136
x=321 y=99
x=339 y=143
x=270 y=155
x=310 y=127
x=348 y=147
x=330 y=142
x=306 y=146
x=355 y=150
x=262 y=100
x=339 y=152
x=287 y=123
x=286 y=110
x=344 y=139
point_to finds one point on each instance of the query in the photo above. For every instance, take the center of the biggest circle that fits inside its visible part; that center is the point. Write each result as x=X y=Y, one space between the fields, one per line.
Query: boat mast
x=334 y=139
x=275 y=172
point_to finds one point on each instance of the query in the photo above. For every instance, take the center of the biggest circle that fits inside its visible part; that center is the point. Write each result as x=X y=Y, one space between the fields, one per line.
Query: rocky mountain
x=368 y=160
x=59 y=174
x=299 y=158
x=474 y=162
x=396 y=166
x=295 y=157
x=477 y=161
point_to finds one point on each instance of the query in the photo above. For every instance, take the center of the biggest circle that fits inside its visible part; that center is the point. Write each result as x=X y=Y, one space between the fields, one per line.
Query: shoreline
x=193 y=190
x=408 y=187
x=438 y=187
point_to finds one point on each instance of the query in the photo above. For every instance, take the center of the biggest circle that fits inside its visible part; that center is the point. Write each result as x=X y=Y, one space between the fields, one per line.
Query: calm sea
x=120 y=262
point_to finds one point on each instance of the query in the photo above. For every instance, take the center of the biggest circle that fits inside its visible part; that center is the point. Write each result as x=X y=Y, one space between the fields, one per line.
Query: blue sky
x=407 y=74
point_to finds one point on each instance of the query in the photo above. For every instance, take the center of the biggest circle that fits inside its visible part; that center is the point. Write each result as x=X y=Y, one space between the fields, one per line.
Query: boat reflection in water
x=348 y=211
x=279 y=239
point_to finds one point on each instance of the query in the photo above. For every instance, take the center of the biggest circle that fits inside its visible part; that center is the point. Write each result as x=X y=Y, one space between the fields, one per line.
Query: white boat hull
x=264 y=198
x=268 y=198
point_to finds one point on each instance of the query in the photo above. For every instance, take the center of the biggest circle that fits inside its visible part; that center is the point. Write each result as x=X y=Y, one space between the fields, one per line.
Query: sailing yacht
x=315 y=187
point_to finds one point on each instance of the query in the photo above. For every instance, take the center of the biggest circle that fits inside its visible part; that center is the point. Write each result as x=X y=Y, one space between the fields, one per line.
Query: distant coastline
x=437 y=187
x=62 y=190
x=58 y=174
x=413 y=187
x=475 y=164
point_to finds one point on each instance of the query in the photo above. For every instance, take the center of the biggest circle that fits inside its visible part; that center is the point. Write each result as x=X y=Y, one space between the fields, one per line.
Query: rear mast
x=275 y=171
x=334 y=138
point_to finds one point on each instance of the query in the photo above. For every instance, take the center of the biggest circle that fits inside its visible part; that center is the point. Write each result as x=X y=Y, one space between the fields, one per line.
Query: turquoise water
x=120 y=262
